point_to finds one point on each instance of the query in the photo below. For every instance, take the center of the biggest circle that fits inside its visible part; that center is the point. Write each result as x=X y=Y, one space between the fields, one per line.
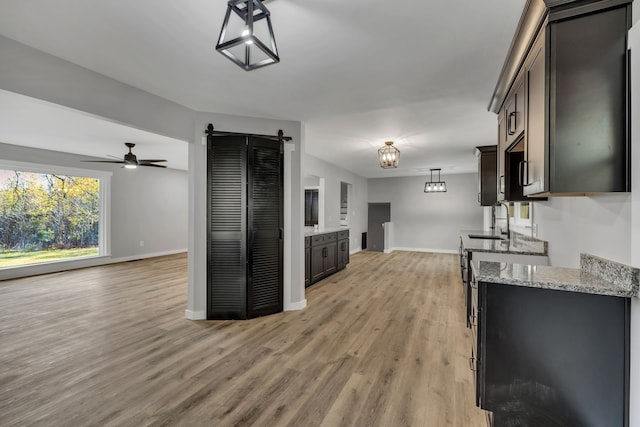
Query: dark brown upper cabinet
x=572 y=62
x=487 y=164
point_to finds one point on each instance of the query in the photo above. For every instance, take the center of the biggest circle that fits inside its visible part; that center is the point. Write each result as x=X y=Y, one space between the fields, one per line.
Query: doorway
x=379 y=213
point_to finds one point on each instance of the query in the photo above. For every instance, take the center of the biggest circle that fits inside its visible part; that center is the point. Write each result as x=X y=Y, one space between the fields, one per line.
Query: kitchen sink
x=485 y=236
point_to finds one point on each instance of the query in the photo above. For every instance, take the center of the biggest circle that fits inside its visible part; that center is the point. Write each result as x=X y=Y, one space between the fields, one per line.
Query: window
x=520 y=213
x=51 y=214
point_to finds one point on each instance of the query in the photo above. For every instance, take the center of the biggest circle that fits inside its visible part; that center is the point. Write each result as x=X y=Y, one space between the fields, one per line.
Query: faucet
x=493 y=217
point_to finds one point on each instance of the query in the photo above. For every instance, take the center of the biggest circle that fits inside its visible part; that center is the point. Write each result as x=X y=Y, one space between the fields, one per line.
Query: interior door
x=379 y=213
x=227 y=248
x=266 y=222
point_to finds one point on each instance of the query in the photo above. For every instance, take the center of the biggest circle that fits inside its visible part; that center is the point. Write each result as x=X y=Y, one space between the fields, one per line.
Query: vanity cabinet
x=550 y=357
x=572 y=75
x=487 y=163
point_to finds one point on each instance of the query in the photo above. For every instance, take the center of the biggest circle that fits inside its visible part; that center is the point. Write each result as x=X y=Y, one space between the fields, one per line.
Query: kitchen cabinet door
x=500 y=157
x=577 y=130
x=552 y=358
x=534 y=174
x=331 y=258
x=487 y=176
x=514 y=112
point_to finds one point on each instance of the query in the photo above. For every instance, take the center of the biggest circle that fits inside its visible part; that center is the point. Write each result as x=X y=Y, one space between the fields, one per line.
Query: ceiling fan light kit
x=389 y=156
x=130 y=160
x=244 y=20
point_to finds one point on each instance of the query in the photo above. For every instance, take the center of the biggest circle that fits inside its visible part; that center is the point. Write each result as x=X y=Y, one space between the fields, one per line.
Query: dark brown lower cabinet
x=551 y=358
x=327 y=255
x=343 y=249
x=307 y=261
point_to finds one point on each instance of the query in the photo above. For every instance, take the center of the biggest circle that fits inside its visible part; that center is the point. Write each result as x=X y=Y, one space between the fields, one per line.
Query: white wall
x=147 y=204
x=598 y=225
x=429 y=222
x=150 y=205
x=333 y=175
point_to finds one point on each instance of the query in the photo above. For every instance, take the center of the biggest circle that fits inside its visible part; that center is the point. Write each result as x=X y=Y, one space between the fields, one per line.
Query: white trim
x=195 y=315
x=437 y=251
x=388 y=251
x=355 y=251
x=17 y=272
x=48 y=169
x=295 y=306
x=104 y=197
x=287 y=248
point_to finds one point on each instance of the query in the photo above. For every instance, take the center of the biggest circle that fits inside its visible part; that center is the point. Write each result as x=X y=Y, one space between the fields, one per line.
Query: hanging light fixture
x=435 y=186
x=389 y=156
x=250 y=19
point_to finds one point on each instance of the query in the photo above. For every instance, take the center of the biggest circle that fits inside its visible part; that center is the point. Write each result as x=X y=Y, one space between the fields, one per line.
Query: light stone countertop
x=614 y=279
x=518 y=244
x=308 y=231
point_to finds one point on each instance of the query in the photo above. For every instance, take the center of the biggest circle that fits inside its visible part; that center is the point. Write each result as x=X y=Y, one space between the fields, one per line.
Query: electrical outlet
x=141 y=243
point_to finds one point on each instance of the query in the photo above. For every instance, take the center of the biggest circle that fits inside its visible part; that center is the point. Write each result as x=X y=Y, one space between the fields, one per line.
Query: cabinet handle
x=501 y=184
x=523 y=173
x=479 y=198
x=511 y=123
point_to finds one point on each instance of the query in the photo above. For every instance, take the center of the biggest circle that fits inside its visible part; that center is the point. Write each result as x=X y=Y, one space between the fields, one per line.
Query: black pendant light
x=244 y=23
x=389 y=156
x=432 y=186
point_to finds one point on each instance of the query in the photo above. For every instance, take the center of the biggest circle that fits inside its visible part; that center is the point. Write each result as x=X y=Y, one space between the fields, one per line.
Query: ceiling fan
x=130 y=161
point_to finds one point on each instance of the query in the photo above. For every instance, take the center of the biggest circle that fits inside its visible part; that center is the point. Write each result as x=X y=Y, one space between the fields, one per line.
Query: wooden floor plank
x=381 y=343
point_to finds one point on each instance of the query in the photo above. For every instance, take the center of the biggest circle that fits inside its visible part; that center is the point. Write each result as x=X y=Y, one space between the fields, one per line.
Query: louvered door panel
x=265 y=227
x=226 y=278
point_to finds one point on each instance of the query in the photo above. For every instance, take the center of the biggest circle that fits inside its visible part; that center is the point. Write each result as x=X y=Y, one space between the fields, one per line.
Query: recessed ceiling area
x=355 y=73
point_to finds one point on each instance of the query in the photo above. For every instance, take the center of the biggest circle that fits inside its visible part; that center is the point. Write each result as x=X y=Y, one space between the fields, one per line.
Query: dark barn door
x=245 y=245
x=264 y=287
x=227 y=247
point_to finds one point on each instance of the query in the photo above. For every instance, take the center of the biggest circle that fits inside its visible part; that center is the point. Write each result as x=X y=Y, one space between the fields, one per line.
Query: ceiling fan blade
x=103 y=161
x=150 y=161
x=151 y=164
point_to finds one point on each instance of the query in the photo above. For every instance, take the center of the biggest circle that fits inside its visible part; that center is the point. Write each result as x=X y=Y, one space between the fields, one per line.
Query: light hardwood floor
x=381 y=343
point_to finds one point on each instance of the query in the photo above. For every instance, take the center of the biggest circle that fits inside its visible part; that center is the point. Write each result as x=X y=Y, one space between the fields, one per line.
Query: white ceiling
x=357 y=73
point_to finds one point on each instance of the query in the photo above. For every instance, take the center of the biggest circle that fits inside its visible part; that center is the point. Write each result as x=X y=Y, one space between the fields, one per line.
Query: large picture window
x=51 y=214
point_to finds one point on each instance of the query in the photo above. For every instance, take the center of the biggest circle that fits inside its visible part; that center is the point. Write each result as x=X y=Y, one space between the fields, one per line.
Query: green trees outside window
x=45 y=217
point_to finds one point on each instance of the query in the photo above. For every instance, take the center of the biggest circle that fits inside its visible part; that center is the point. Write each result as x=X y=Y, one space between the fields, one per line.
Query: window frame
x=104 y=177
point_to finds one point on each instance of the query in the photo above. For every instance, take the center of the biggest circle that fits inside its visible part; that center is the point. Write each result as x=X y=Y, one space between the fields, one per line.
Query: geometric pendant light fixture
x=435 y=186
x=246 y=24
x=389 y=156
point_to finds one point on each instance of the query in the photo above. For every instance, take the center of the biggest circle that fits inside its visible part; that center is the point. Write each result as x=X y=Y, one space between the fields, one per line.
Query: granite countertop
x=595 y=276
x=308 y=231
x=519 y=244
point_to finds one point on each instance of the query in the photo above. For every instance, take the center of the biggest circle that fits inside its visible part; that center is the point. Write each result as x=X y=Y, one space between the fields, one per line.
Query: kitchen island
x=551 y=345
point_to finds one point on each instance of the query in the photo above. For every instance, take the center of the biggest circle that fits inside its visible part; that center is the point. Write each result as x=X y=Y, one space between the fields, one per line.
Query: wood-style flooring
x=381 y=343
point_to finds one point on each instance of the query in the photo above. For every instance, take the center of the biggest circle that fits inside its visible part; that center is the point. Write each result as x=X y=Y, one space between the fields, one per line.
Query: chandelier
x=247 y=21
x=432 y=186
x=388 y=156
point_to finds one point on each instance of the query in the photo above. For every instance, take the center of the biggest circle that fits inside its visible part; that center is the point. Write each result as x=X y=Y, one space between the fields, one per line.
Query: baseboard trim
x=436 y=251
x=143 y=256
x=195 y=315
x=295 y=306
x=355 y=251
